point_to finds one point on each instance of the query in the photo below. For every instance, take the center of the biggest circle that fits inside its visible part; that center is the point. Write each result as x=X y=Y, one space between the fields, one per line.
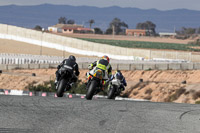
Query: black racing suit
x=69 y=63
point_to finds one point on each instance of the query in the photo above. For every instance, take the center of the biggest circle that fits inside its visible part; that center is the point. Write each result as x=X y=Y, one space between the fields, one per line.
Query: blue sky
x=142 y=4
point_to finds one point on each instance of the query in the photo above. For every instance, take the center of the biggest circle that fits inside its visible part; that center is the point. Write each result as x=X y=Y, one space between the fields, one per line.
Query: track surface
x=22 y=114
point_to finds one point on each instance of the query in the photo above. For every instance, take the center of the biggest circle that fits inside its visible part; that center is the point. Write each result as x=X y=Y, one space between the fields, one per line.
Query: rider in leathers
x=104 y=65
x=120 y=76
x=71 y=62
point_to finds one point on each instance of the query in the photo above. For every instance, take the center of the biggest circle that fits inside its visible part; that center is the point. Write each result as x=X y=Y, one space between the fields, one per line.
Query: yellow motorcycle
x=95 y=83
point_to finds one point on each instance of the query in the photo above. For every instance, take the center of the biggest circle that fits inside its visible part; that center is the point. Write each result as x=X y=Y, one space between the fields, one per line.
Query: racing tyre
x=91 y=90
x=111 y=93
x=61 y=87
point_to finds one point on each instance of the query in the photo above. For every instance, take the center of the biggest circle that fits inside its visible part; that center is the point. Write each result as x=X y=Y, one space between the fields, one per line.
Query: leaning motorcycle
x=94 y=84
x=64 y=81
x=114 y=88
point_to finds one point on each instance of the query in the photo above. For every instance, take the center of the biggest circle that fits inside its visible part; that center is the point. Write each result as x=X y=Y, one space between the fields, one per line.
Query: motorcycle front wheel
x=111 y=92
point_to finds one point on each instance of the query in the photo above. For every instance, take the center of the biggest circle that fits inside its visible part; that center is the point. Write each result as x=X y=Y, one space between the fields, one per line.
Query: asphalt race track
x=24 y=114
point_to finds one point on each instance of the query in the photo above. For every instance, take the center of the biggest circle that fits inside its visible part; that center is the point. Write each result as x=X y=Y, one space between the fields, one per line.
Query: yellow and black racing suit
x=103 y=65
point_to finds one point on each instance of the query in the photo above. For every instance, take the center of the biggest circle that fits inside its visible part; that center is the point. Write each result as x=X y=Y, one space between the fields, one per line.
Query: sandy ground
x=157 y=86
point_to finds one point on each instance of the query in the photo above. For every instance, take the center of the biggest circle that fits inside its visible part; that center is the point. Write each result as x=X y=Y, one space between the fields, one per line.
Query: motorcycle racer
x=72 y=66
x=119 y=75
x=104 y=65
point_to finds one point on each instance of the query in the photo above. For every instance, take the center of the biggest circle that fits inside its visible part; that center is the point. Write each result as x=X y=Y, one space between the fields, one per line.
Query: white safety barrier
x=66 y=48
x=38 y=59
x=78 y=46
x=28 y=59
x=16 y=92
x=170 y=60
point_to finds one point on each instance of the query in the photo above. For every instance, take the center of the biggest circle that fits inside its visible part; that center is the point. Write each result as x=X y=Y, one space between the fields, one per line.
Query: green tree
x=190 y=31
x=91 y=21
x=117 y=25
x=37 y=27
x=71 y=21
x=62 y=20
x=109 y=31
x=186 y=31
x=98 y=31
x=148 y=26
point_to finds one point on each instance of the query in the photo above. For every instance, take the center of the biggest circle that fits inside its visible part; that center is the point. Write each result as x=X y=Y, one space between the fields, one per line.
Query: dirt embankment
x=157 y=86
x=164 y=86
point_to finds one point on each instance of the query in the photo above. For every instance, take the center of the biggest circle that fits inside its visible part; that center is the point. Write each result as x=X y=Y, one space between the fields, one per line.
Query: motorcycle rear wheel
x=91 y=90
x=61 y=87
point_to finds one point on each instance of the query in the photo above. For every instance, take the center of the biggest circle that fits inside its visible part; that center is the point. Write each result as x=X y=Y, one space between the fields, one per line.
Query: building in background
x=70 y=29
x=135 y=32
x=166 y=34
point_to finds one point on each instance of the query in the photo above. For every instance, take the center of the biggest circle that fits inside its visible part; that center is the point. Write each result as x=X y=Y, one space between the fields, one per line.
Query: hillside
x=46 y=15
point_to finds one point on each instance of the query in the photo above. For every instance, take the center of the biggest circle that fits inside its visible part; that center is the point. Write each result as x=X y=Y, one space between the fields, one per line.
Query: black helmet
x=118 y=71
x=71 y=57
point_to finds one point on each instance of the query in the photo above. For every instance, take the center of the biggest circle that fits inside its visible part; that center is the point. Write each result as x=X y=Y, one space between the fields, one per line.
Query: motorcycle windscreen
x=116 y=82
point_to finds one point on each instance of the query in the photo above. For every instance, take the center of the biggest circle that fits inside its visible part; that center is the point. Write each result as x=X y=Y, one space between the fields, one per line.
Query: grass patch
x=197 y=102
x=49 y=86
x=77 y=88
x=145 y=45
x=46 y=87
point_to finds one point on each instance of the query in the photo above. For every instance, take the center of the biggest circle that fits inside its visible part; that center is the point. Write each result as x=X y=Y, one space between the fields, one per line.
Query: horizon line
x=98 y=7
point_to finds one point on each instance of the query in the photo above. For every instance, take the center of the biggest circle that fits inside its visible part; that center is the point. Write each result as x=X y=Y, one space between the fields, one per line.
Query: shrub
x=78 y=88
x=196 y=95
x=197 y=102
x=176 y=95
x=135 y=93
x=46 y=87
x=49 y=86
x=148 y=97
x=148 y=91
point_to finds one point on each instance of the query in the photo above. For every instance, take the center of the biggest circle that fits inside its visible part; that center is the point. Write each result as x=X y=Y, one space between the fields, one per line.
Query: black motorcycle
x=64 y=81
x=94 y=85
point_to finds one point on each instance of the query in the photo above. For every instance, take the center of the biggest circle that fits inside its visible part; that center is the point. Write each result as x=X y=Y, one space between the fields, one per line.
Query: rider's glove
x=90 y=67
x=58 y=67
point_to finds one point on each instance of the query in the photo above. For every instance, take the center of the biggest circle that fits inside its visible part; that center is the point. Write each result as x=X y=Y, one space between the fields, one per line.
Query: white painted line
x=82 y=96
x=16 y=92
x=130 y=99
